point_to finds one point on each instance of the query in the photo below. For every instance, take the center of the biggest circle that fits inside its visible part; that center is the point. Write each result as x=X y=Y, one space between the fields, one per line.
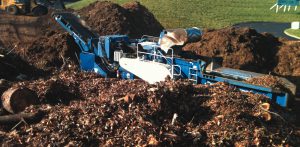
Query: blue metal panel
x=113 y=39
x=288 y=2
x=186 y=65
x=282 y=99
x=87 y=61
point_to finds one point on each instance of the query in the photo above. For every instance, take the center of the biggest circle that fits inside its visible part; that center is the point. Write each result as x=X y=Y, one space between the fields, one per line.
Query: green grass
x=208 y=13
x=293 y=32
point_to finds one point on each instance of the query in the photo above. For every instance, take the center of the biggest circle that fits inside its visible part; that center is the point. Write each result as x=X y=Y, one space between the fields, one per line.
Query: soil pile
x=240 y=48
x=114 y=112
x=13 y=67
x=22 y=29
x=108 y=18
x=288 y=59
x=39 y=41
x=56 y=50
x=289 y=62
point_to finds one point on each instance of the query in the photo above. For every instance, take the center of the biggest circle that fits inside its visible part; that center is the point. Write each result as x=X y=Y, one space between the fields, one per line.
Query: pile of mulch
x=240 y=48
x=54 y=51
x=133 y=19
x=113 y=112
x=267 y=81
x=37 y=41
x=288 y=66
x=13 y=67
x=288 y=59
x=23 y=29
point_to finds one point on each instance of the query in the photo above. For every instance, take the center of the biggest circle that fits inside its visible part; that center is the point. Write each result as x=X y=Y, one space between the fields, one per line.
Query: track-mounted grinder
x=152 y=59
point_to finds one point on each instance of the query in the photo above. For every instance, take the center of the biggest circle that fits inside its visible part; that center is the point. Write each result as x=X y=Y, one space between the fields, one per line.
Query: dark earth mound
x=13 y=67
x=56 y=50
x=133 y=19
x=240 y=48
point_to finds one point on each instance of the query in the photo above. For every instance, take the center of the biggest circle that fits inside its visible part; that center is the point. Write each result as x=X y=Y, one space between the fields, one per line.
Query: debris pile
x=133 y=19
x=267 y=81
x=112 y=112
x=13 y=67
x=289 y=63
x=56 y=50
x=240 y=48
x=288 y=59
x=23 y=29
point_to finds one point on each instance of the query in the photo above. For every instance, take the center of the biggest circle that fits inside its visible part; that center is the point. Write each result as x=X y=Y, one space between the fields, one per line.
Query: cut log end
x=15 y=100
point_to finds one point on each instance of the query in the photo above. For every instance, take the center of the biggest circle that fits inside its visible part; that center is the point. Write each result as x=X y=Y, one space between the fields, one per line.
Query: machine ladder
x=193 y=75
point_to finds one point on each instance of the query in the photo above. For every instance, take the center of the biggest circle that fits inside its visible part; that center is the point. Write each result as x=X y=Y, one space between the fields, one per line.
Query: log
x=14 y=118
x=16 y=99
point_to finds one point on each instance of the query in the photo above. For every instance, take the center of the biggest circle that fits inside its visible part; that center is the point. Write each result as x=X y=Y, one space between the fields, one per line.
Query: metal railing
x=155 y=57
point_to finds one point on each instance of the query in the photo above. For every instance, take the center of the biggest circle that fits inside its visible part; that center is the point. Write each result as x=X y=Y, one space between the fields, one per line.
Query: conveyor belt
x=243 y=75
x=236 y=73
x=75 y=25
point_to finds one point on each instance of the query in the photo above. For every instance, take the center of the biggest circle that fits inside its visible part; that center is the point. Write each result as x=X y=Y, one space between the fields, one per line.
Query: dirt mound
x=288 y=59
x=53 y=51
x=108 y=18
x=240 y=48
x=13 y=67
x=22 y=29
x=142 y=21
x=289 y=62
x=169 y=113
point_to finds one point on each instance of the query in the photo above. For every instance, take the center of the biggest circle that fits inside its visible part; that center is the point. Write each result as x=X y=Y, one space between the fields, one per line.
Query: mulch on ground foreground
x=84 y=109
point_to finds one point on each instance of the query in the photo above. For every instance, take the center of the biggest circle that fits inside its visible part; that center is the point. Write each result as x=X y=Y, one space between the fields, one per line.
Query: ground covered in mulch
x=84 y=109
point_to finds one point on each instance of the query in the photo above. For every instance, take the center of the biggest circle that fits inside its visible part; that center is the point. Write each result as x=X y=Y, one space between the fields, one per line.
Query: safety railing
x=154 y=38
x=155 y=56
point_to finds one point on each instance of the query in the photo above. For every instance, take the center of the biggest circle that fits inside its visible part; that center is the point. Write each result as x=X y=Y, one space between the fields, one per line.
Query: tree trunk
x=15 y=100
